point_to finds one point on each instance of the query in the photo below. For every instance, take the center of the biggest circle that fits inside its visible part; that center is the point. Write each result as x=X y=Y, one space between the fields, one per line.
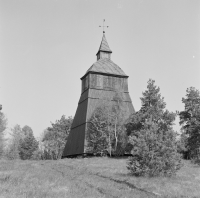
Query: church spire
x=104 y=49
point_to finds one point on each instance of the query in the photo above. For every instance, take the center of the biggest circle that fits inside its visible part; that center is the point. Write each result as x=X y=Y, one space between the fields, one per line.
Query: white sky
x=47 y=46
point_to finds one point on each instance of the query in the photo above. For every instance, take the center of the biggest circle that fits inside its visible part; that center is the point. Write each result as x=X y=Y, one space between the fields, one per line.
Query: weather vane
x=103 y=26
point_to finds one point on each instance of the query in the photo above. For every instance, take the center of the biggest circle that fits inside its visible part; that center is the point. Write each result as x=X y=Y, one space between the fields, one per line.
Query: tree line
x=147 y=135
x=23 y=145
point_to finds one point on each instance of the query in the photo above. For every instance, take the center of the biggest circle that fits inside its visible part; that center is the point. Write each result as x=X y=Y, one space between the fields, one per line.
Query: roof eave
x=105 y=74
x=104 y=51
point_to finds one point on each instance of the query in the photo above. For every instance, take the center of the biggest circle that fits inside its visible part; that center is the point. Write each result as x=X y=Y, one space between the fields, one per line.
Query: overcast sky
x=47 y=46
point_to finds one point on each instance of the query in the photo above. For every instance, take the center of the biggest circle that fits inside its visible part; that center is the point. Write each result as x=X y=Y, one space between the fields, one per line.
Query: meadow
x=91 y=177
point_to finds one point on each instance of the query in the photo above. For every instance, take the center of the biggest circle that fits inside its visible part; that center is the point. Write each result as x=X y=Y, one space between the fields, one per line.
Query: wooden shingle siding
x=84 y=96
x=126 y=85
x=81 y=112
x=75 y=142
x=99 y=81
x=93 y=103
x=104 y=82
x=108 y=94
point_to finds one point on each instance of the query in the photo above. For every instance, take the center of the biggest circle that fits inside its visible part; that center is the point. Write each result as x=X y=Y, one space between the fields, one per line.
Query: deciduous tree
x=55 y=137
x=106 y=131
x=13 y=147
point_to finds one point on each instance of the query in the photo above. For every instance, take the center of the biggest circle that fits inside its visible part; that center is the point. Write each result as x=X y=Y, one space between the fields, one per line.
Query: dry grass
x=91 y=177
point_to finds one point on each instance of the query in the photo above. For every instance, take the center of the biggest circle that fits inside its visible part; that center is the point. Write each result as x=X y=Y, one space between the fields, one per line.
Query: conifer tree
x=151 y=136
x=182 y=144
x=27 y=143
x=190 y=121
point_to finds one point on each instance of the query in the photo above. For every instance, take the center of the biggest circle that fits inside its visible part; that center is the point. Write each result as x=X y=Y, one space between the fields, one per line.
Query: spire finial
x=103 y=26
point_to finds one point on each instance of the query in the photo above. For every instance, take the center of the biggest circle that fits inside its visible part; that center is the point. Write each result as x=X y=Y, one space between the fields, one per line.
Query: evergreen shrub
x=151 y=135
x=154 y=153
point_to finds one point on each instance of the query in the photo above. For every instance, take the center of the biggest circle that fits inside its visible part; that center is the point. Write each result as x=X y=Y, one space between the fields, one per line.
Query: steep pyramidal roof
x=104 y=45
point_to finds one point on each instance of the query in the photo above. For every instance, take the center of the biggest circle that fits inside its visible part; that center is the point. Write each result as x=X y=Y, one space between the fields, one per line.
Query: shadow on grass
x=90 y=155
x=130 y=185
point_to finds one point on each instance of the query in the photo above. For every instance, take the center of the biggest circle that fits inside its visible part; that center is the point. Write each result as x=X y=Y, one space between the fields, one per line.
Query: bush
x=151 y=135
x=154 y=153
x=37 y=155
x=196 y=159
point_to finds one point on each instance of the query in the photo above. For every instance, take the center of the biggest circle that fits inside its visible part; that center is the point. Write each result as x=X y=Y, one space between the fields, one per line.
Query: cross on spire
x=103 y=26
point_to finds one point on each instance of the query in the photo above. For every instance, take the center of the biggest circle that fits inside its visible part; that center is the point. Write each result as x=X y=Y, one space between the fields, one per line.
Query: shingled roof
x=106 y=66
x=104 y=45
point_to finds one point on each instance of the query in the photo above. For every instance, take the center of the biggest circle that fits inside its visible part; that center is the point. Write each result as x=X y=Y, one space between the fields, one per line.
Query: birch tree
x=105 y=131
x=55 y=137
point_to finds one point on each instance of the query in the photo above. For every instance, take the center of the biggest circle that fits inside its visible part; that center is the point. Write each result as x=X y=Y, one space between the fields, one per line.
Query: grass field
x=91 y=177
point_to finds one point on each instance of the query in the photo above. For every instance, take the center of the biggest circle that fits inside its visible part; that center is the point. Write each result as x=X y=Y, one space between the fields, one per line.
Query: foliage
x=22 y=143
x=190 y=121
x=105 y=133
x=37 y=155
x=13 y=147
x=27 y=143
x=154 y=152
x=152 y=138
x=97 y=134
x=26 y=130
x=55 y=137
x=182 y=144
x=196 y=160
x=3 y=123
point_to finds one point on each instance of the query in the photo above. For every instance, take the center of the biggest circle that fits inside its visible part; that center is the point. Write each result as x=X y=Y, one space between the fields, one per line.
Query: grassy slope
x=91 y=177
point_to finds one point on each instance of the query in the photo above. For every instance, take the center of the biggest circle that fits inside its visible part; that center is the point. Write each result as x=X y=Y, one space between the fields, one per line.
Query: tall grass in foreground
x=91 y=177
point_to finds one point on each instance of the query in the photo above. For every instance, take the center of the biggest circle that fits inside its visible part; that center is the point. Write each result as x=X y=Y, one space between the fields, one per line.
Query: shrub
x=196 y=159
x=37 y=155
x=153 y=140
x=154 y=154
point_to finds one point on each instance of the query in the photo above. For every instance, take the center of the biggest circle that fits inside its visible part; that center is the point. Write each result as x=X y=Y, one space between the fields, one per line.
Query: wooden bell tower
x=101 y=81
